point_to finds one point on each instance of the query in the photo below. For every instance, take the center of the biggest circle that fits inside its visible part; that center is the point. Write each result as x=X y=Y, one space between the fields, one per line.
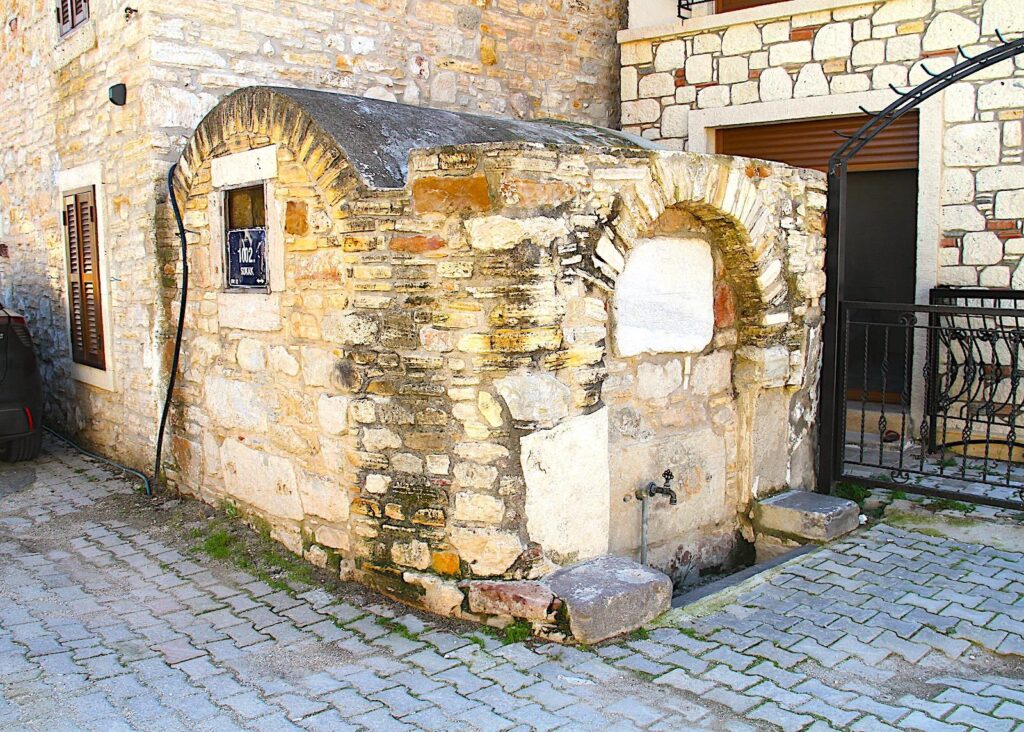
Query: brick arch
x=263 y=112
x=729 y=202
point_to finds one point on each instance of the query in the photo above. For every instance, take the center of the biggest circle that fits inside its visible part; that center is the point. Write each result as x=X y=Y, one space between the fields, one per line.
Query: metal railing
x=684 y=8
x=977 y=368
x=933 y=398
x=832 y=392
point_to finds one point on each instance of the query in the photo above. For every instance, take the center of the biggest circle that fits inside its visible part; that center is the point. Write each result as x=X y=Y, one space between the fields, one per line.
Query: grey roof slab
x=377 y=136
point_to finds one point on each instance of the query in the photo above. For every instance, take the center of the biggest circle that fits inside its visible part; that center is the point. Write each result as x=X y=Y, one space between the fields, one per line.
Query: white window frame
x=73 y=179
x=238 y=170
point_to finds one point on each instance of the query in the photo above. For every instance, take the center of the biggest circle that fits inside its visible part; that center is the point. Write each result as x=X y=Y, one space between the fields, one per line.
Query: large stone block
x=262 y=480
x=949 y=30
x=488 y=552
x=972 y=144
x=609 y=596
x=535 y=396
x=805 y=516
x=236 y=404
x=1006 y=15
x=522 y=599
x=567 y=486
x=491 y=233
x=445 y=195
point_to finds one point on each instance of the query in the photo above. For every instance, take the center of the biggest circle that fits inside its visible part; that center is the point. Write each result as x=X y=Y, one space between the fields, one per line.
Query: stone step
x=609 y=596
x=805 y=517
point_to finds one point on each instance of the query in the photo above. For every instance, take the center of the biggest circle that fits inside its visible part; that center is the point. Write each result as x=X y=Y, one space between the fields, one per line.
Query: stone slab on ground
x=609 y=596
x=806 y=516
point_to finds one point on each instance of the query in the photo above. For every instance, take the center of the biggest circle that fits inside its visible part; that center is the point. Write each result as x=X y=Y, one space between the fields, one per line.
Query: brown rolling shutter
x=84 y=299
x=810 y=143
x=724 y=6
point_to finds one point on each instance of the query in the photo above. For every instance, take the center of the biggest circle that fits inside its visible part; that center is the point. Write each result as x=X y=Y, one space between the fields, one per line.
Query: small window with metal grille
x=71 y=14
x=245 y=238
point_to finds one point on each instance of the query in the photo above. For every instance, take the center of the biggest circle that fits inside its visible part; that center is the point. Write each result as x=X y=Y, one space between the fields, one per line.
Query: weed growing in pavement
x=852 y=491
x=640 y=634
x=948 y=504
x=393 y=626
x=517 y=632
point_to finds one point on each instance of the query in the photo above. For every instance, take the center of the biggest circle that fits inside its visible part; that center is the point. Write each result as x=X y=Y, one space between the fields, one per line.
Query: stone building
x=418 y=392
x=426 y=348
x=940 y=198
x=61 y=135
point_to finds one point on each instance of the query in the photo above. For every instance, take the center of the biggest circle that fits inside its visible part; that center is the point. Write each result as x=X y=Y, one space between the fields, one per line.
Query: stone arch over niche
x=710 y=233
x=718 y=199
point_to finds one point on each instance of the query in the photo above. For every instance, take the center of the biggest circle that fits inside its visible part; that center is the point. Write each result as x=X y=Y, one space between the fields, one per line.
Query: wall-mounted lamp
x=117 y=94
x=129 y=12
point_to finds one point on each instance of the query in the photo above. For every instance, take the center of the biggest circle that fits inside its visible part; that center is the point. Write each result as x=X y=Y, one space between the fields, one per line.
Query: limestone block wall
x=526 y=60
x=56 y=120
x=782 y=59
x=530 y=59
x=429 y=401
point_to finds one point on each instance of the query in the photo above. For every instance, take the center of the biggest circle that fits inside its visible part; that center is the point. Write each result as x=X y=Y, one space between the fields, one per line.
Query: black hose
x=181 y=327
x=111 y=463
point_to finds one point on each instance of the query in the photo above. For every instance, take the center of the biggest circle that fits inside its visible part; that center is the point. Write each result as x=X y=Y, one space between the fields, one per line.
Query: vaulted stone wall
x=434 y=400
x=178 y=59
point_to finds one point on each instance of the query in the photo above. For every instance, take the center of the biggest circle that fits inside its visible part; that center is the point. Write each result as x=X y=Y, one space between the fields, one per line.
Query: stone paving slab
x=108 y=621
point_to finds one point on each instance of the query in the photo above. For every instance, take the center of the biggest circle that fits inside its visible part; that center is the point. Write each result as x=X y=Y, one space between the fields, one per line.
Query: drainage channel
x=731 y=580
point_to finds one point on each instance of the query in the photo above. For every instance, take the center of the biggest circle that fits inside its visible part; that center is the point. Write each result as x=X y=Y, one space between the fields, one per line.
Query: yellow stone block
x=490 y=408
x=916 y=26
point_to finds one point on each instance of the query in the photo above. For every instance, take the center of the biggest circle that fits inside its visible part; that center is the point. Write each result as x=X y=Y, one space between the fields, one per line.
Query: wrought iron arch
x=831 y=391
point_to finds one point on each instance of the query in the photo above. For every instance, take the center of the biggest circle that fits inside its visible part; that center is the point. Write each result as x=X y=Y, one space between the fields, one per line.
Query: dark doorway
x=881 y=235
x=881 y=263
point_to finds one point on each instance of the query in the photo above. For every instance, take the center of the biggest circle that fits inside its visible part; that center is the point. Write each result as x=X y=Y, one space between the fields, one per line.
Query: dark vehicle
x=21 y=391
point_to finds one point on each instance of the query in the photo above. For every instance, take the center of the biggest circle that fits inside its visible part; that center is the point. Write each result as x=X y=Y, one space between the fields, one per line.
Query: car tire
x=23 y=448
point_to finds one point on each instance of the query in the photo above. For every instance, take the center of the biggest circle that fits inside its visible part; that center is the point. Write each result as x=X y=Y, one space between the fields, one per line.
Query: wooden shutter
x=65 y=15
x=724 y=6
x=81 y=11
x=810 y=143
x=84 y=298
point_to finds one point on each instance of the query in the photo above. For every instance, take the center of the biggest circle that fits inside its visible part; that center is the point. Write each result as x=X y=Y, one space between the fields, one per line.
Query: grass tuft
x=517 y=632
x=220 y=544
x=853 y=492
x=640 y=634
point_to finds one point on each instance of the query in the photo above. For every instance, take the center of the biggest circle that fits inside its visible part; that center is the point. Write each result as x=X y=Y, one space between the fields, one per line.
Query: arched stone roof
x=377 y=136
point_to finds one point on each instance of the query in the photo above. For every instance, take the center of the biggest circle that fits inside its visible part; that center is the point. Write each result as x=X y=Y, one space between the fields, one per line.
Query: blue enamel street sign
x=247 y=258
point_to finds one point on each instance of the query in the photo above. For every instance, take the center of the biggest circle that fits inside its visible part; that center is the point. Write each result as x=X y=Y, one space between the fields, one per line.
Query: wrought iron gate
x=923 y=398
x=932 y=397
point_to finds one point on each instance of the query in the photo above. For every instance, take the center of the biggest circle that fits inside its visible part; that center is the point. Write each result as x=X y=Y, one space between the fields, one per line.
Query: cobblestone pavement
x=108 y=622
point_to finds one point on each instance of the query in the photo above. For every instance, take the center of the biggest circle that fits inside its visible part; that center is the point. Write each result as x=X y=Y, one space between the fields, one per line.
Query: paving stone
x=1009 y=710
x=327 y=721
x=774 y=714
x=975 y=720
x=739 y=703
x=921 y=721
x=685 y=681
x=687 y=661
x=825 y=656
x=912 y=652
x=886 y=712
x=191 y=647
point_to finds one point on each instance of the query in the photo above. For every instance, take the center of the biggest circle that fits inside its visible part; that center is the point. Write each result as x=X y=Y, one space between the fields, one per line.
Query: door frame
x=704 y=122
